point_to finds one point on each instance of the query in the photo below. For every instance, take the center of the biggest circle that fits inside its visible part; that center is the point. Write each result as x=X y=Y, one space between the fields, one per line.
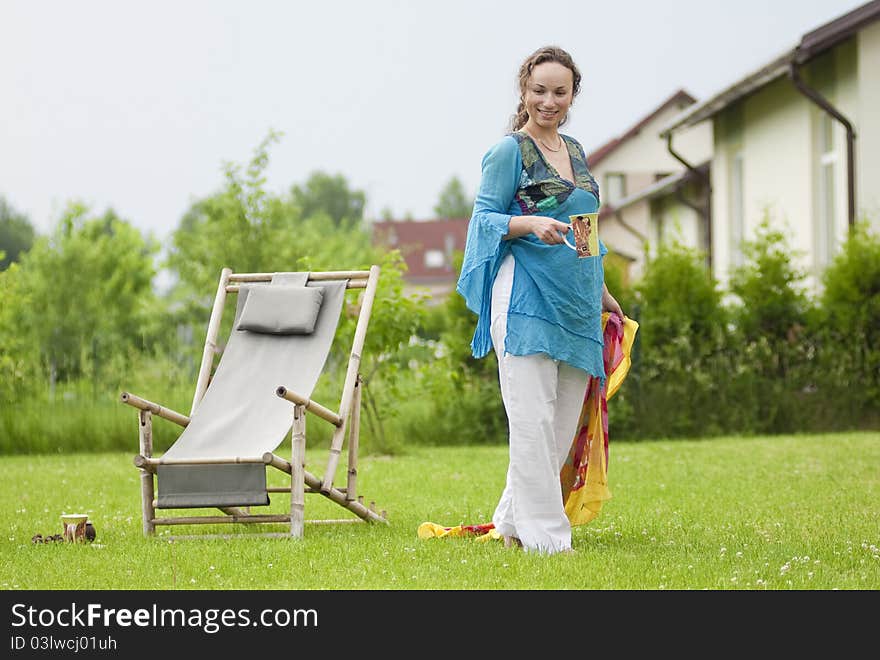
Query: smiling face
x=548 y=95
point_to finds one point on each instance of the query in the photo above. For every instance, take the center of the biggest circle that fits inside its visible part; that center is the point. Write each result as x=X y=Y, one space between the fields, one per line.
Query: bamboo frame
x=354 y=361
x=231 y=510
x=308 y=404
x=234 y=288
x=335 y=494
x=353 y=437
x=151 y=464
x=211 y=339
x=145 y=436
x=219 y=520
x=155 y=408
x=297 y=476
x=302 y=482
x=323 y=276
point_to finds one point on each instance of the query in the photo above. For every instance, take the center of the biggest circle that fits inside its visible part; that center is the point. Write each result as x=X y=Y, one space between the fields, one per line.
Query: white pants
x=543 y=399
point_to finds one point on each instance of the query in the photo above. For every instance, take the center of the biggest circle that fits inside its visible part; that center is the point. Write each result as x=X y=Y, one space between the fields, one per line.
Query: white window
x=615 y=188
x=434 y=259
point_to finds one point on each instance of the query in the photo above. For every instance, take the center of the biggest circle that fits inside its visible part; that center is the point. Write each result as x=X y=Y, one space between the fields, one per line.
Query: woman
x=538 y=305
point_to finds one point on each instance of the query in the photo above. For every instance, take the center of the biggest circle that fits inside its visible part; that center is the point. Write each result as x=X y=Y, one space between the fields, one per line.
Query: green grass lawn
x=788 y=512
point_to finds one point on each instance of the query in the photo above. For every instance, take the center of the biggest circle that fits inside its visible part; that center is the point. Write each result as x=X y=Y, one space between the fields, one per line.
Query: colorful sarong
x=584 y=476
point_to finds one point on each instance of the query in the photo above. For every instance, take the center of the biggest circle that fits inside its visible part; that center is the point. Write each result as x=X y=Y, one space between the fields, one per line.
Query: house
x=796 y=141
x=428 y=248
x=647 y=191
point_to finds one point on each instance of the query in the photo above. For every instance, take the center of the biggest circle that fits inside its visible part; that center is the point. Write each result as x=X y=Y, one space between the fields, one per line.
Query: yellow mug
x=585 y=227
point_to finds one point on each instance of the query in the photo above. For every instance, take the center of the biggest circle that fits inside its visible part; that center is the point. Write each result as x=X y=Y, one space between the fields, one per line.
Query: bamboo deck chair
x=259 y=393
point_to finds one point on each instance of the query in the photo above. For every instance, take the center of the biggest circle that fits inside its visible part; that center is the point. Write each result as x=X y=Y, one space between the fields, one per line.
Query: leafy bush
x=849 y=319
x=81 y=295
x=681 y=335
x=19 y=353
x=769 y=324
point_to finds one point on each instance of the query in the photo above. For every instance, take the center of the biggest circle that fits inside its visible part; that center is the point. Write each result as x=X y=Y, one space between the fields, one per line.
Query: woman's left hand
x=610 y=304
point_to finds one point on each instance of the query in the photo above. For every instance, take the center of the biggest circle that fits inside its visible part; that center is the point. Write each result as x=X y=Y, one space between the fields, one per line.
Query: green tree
x=454 y=201
x=461 y=403
x=84 y=294
x=19 y=352
x=850 y=316
x=851 y=295
x=675 y=380
x=330 y=195
x=248 y=229
x=769 y=337
x=16 y=234
x=678 y=298
x=770 y=288
x=240 y=227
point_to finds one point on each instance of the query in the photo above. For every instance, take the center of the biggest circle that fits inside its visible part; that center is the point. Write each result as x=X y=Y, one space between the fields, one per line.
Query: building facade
x=797 y=142
x=647 y=193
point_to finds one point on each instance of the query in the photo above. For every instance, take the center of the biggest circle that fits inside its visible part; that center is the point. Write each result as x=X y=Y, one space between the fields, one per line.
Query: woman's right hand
x=548 y=230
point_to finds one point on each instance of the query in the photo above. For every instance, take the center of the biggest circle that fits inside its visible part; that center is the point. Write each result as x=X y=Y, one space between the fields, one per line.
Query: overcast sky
x=137 y=105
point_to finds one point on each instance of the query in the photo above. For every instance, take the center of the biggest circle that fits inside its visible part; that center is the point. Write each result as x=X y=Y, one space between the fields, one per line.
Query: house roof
x=829 y=35
x=609 y=147
x=415 y=238
x=811 y=44
x=660 y=187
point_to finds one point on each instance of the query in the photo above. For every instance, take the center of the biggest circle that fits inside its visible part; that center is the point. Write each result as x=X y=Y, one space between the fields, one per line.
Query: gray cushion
x=281 y=310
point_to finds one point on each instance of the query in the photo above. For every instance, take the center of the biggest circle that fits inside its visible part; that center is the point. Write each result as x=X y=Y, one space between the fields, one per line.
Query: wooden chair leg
x=145 y=433
x=353 y=435
x=297 y=472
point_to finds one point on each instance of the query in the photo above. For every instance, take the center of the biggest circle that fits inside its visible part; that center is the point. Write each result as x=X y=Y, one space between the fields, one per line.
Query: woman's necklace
x=548 y=147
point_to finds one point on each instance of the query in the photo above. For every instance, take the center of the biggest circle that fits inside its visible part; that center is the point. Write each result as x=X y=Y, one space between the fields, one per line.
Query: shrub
x=849 y=330
x=769 y=341
x=674 y=388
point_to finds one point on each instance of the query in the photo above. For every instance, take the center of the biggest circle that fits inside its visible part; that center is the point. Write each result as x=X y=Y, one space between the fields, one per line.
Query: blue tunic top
x=556 y=299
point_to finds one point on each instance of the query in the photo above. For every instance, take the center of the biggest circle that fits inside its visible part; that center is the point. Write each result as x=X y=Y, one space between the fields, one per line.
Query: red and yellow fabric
x=584 y=476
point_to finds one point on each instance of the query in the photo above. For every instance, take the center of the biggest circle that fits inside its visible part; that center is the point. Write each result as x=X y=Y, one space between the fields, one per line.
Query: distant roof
x=812 y=44
x=609 y=147
x=415 y=238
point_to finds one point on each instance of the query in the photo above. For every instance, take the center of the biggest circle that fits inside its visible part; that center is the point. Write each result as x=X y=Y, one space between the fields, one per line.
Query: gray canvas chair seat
x=283 y=329
x=239 y=414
